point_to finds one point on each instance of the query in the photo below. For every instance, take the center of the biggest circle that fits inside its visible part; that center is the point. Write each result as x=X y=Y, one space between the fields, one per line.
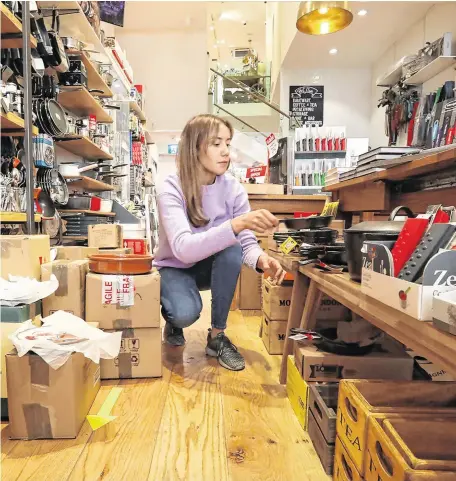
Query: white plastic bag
x=24 y=290
x=62 y=334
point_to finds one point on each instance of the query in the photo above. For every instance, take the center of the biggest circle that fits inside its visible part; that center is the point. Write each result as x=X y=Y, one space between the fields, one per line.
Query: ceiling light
x=361 y=13
x=321 y=18
x=211 y=27
x=215 y=45
x=333 y=51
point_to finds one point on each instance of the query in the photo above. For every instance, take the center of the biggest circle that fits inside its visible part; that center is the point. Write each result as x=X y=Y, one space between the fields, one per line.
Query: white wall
x=346 y=98
x=174 y=68
x=439 y=19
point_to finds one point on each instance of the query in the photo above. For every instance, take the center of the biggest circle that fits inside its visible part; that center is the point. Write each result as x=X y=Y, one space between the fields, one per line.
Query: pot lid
x=377 y=226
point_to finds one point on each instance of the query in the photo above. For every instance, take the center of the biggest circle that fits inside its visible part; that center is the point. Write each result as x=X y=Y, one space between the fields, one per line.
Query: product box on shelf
x=426 y=370
x=120 y=302
x=140 y=355
x=105 y=236
x=444 y=311
x=297 y=392
x=273 y=334
x=76 y=253
x=137 y=246
x=276 y=300
x=386 y=361
x=324 y=449
x=22 y=255
x=47 y=403
x=409 y=297
x=70 y=295
x=250 y=289
x=359 y=400
x=398 y=448
x=11 y=318
x=344 y=468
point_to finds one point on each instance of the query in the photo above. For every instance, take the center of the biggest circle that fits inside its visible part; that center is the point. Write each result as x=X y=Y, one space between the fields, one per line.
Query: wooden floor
x=199 y=422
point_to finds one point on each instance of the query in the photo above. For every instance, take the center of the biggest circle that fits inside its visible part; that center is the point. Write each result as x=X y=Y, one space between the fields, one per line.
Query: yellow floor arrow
x=103 y=417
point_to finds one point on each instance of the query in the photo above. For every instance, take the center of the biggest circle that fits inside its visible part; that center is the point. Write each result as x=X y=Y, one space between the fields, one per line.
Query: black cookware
x=315 y=222
x=40 y=32
x=323 y=236
x=329 y=343
x=58 y=59
x=378 y=231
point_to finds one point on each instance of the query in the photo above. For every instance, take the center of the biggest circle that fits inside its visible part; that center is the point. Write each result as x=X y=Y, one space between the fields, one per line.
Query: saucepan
x=70 y=169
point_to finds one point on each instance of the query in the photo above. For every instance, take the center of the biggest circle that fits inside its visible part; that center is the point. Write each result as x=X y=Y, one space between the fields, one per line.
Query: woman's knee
x=182 y=312
x=232 y=255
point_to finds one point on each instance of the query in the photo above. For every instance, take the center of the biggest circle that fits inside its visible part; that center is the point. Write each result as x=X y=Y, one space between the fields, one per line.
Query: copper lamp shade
x=321 y=18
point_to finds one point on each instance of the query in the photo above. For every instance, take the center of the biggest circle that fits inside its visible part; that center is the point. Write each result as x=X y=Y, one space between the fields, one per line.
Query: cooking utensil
x=378 y=231
x=46 y=204
x=106 y=205
x=70 y=169
x=125 y=264
x=71 y=43
x=315 y=222
x=58 y=60
x=322 y=236
x=83 y=202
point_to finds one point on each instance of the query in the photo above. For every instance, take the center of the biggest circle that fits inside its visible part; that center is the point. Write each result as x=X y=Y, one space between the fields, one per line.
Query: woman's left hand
x=272 y=267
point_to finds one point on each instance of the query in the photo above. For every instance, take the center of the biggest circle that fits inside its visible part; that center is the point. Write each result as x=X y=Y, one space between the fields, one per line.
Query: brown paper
x=105 y=236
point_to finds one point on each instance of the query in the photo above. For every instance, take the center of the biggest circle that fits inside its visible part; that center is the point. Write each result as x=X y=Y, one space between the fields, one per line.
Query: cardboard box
x=140 y=355
x=250 y=289
x=137 y=246
x=45 y=403
x=297 y=392
x=121 y=302
x=277 y=301
x=76 y=253
x=273 y=334
x=105 y=236
x=235 y=302
x=70 y=295
x=387 y=361
x=22 y=255
x=263 y=189
x=11 y=318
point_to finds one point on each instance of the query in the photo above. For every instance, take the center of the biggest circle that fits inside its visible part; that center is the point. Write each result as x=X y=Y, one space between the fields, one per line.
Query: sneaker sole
x=212 y=353
x=174 y=344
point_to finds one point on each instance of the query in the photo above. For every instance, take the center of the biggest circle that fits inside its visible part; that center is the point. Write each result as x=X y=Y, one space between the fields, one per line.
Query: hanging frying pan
x=58 y=59
x=38 y=66
x=57 y=117
x=40 y=32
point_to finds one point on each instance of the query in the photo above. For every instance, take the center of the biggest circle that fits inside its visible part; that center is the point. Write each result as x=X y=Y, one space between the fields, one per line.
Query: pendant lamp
x=321 y=18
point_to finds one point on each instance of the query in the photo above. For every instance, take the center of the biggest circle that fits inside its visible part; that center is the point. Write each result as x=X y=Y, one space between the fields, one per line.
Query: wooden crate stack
x=396 y=431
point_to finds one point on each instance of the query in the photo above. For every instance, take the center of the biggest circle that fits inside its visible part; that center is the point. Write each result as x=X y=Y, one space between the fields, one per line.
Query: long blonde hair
x=195 y=139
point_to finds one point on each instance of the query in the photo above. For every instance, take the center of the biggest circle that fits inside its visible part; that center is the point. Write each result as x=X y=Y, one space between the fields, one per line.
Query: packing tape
x=37 y=421
x=125 y=366
x=39 y=371
x=122 y=324
x=61 y=272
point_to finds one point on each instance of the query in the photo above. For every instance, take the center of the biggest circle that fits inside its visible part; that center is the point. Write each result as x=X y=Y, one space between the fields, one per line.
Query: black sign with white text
x=306 y=104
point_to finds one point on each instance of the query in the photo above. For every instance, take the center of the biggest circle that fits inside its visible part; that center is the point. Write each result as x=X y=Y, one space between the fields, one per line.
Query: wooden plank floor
x=199 y=422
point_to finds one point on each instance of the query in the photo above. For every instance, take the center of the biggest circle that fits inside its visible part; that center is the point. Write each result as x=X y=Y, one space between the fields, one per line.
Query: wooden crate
x=324 y=450
x=425 y=444
x=344 y=469
x=323 y=405
x=385 y=462
x=359 y=400
x=273 y=334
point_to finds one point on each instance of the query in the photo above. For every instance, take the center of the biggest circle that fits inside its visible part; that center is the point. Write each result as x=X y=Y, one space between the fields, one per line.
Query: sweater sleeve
x=251 y=251
x=189 y=247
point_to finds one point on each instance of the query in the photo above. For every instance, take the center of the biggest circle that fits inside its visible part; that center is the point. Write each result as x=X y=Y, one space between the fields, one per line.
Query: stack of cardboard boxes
x=130 y=304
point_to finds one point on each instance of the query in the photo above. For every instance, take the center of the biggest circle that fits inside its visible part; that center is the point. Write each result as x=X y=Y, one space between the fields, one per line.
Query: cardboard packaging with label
x=45 y=403
x=121 y=302
x=70 y=295
x=22 y=255
x=106 y=236
x=140 y=355
x=273 y=334
x=386 y=361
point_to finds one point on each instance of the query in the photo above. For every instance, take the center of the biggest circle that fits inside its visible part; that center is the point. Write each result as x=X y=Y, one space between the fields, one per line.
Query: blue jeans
x=180 y=297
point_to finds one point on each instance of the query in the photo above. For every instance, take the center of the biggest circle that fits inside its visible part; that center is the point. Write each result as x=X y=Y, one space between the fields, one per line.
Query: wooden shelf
x=87 y=212
x=83 y=147
x=419 y=164
x=333 y=154
x=13 y=121
x=421 y=336
x=16 y=217
x=79 y=101
x=431 y=70
x=134 y=107
x=94 y=79
x=88 y=184
x=75 y=237
x=11 y=24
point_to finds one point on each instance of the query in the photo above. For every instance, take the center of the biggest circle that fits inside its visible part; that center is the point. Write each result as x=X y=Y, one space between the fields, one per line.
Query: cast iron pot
x=378 y=231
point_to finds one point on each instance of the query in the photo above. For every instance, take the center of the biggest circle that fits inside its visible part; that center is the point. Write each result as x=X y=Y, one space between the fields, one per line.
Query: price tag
x=287 y=246
x=330 y=208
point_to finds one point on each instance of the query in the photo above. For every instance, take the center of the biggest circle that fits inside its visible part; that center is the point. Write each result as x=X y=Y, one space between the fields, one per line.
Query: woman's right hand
x=258 y=220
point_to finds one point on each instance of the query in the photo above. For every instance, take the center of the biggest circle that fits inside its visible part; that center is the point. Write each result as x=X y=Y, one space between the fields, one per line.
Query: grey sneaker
x=174 y=335
x=225 y=352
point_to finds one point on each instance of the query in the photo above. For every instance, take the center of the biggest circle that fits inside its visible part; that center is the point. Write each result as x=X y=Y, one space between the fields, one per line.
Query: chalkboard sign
x=306 y=104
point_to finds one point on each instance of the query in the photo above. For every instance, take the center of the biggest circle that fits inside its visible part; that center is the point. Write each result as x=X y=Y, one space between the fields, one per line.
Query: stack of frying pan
x=53 y=184
x=50 y=117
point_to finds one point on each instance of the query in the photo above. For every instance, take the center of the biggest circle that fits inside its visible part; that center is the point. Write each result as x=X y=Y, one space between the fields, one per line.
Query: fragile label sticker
x=118 y=290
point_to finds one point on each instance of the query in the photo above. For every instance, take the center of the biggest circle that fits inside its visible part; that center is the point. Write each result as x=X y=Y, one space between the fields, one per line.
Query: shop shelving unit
x=83 y=147
x=81 y=102
x=12 y=124
x=88 y=184
x=12 y=30
x=137 y=110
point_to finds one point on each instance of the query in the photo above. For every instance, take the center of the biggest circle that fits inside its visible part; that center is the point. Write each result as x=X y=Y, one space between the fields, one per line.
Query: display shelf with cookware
x=16 y=217
x=12 y=30
x=88 y=184
x=81 y=102
x=83 y=147
x=12 y=124
x=137 y=110
x=87 y=212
